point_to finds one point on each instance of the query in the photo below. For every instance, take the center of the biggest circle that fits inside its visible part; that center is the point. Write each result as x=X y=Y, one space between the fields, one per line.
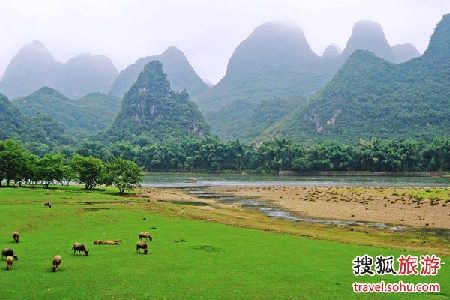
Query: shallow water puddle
x=274 y=212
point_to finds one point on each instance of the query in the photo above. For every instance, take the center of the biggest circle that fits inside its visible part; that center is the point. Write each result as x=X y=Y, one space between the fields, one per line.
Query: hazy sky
x=206 y=30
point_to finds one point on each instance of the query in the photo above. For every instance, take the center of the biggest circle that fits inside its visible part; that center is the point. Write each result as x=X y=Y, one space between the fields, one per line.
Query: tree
x=50 y=168
x=29 y=173
x=12 y=161
x=124 y=174
x=94 y=149
x=69 y=175
x=88 y=170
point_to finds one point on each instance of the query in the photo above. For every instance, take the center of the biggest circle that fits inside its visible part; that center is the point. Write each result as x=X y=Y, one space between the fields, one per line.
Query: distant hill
x=33 y=67
x=331 y=52
x=105 y=107
x=371 y=97
x=246 y=121
x=175 y=64
x=404 y=52
x=30 y=69
x=86 y=115
x=86 y=74
x=275 y=63
x=368 y=35
x=153 y=112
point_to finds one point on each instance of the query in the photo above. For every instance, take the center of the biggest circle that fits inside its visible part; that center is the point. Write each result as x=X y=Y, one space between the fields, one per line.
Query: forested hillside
x=39 y=133
x=371 y=97
x=152 y=112
x=11 y=122
x=269 y=91
x=276 y=66
x=83 y=116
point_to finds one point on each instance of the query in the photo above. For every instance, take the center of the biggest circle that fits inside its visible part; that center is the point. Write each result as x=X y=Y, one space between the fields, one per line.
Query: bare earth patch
x=176 y=202
x=401 y=206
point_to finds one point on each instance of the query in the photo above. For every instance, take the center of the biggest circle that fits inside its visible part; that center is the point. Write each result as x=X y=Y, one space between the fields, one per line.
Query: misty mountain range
x=275 y=63
x=175 y=64
x=275 y=85
x=34 y=67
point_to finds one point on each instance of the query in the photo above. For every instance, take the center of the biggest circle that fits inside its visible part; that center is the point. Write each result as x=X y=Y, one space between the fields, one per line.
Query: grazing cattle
x=9 y=262
x=145 y=235
x=141 y=245
x=80 y=248
x=48 y=204
x=56 y=261
x=9 y=252
x=112 y=242
x=15 y=236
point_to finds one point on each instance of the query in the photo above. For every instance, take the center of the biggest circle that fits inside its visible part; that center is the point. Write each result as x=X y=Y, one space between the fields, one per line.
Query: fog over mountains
x=34 y=67
x=175 y=64
x=369 y=35
x=275 y=85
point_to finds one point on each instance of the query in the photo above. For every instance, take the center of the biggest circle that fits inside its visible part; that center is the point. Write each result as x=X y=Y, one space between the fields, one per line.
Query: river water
x=187 y=180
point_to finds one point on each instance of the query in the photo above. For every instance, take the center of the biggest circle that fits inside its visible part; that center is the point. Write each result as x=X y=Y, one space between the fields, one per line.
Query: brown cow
x=15 y=236
x=56 y=261
x=112 y=242
x=145 y=235
x=141 y=245
x=9 y=262
x=80 y=248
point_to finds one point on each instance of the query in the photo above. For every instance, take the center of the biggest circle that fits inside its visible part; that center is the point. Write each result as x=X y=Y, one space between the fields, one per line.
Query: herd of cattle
x=79 y=248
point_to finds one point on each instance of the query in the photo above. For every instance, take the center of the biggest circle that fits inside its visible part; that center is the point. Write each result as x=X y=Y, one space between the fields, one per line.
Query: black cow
x=9 y=252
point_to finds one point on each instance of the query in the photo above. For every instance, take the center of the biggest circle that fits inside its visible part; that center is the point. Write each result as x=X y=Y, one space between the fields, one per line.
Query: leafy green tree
x=124 y=150
x=68 y=174
x=12 y=161
x=50 y=168
x=437 y=155
x=94 y=149
x=29 y=174
x=124 y=174
x=88 y=170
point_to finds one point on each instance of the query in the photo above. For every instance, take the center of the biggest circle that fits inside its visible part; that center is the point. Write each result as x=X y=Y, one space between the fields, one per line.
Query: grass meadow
x=188 y=259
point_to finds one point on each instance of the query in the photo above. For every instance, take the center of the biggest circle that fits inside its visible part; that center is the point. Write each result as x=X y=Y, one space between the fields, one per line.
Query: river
x=186 y=180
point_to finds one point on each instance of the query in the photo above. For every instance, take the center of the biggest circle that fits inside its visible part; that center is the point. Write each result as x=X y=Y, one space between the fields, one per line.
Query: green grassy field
x=188 y=259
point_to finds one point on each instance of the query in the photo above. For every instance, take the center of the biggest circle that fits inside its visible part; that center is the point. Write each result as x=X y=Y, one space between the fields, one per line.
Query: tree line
x=121 y=164
x=273 y=156
x=20 y=166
